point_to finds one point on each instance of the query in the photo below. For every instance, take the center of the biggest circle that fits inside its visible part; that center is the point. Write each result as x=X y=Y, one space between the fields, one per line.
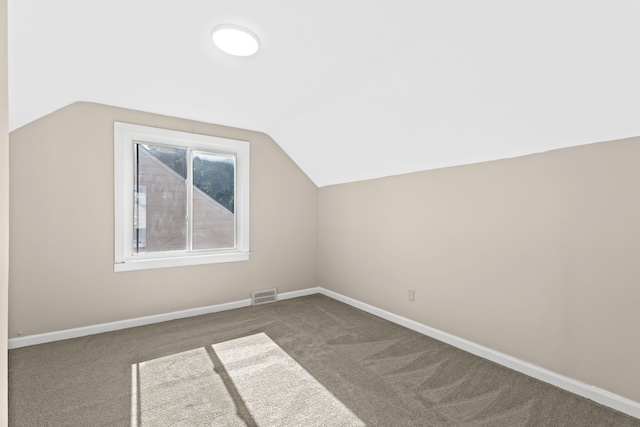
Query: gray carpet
x=382 y=373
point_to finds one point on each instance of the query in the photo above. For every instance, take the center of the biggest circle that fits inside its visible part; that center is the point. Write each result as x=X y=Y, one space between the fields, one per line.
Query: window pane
x=213 y=201
x=160 y=199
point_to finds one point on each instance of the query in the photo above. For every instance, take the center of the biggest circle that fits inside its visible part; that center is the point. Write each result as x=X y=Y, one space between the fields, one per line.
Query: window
x=180 y=198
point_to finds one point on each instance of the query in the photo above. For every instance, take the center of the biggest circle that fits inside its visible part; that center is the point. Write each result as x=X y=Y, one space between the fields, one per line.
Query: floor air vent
x=264 y=296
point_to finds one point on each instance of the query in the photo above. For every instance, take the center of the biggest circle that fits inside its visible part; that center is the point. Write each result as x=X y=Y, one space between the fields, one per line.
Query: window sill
x=151 y=263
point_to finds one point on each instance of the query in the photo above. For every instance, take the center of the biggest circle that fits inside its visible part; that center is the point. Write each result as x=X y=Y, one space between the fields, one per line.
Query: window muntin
x=180 y=198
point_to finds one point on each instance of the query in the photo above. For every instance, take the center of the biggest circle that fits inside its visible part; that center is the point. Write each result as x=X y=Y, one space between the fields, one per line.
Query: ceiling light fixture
x=235 y=40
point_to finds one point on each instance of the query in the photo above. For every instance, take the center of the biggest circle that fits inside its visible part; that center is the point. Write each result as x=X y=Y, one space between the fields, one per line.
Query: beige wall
x=536 y=257
x=62 y=248
x=4 y=211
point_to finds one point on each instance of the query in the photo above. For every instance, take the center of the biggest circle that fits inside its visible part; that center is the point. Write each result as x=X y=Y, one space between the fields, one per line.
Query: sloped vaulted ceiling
x=351 y=89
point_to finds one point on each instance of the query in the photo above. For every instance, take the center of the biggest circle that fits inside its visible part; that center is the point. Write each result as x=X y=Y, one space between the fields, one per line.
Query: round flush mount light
x=235 y=40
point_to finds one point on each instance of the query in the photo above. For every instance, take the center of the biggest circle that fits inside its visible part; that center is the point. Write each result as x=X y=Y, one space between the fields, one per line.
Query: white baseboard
x=596 y=394
x=122 y=324
x=141 y=321
x=300 y=293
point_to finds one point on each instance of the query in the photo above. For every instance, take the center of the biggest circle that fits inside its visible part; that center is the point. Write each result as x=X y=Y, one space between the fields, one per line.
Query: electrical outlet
x=412 y=295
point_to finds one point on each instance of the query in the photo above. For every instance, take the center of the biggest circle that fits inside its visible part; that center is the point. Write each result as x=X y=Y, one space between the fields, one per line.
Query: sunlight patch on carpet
x=181 y=389
x=246 y=381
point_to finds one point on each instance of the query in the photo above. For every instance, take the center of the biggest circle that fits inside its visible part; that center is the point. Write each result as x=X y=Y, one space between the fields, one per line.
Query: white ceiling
x=350 y=89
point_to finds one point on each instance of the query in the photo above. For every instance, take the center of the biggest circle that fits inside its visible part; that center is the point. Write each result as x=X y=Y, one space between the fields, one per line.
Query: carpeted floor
x=384 y=374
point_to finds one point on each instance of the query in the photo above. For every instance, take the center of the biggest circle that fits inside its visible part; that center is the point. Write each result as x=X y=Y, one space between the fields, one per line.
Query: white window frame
x=125 y=136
